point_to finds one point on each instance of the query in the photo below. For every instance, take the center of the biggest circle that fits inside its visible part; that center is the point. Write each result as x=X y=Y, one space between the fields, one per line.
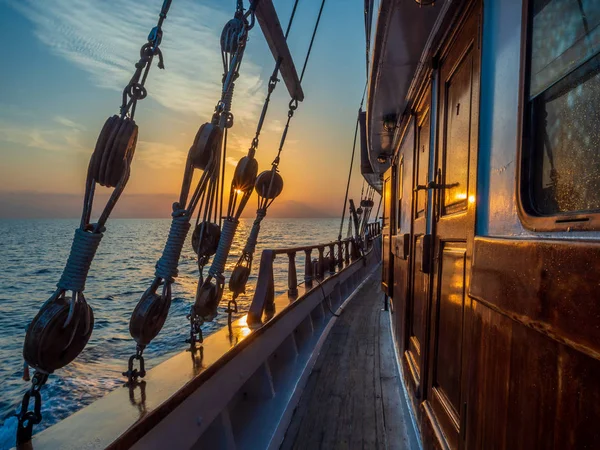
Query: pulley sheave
x=148 y=317
x=206 y=144
x=231 y=34
x=269 y=185
x=245 y=174
x=205 y=241
x=57 y=335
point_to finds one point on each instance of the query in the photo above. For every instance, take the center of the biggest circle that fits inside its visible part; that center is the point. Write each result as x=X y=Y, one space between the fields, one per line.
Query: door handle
x=434 y=185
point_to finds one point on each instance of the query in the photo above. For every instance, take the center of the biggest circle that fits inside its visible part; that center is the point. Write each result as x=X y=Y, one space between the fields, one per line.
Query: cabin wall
x=499 y=132
x=531 y=343
x=534 y=362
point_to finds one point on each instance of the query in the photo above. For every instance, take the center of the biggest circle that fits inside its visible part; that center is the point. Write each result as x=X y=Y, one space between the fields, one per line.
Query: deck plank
x=353 y=398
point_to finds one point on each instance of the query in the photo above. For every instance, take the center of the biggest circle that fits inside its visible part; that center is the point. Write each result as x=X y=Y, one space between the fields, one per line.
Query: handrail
x=341 y=254
x=240 y=374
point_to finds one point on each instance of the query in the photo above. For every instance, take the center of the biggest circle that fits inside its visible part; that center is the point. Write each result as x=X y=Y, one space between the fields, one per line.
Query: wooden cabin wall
x=534 y=375
x=531 y=362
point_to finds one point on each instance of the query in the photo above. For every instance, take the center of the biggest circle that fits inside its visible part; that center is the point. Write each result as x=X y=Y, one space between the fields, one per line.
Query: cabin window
x=563 y=157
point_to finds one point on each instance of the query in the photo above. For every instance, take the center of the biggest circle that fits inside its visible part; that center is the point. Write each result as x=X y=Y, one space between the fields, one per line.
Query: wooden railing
x=339 y=255
x=220 y=394
x=373 y=229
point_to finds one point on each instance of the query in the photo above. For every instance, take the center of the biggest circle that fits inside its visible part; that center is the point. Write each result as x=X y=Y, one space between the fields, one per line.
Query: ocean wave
x=120 y=274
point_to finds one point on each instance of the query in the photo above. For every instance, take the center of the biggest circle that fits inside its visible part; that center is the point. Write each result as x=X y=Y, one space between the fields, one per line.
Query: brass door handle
x=434 y=185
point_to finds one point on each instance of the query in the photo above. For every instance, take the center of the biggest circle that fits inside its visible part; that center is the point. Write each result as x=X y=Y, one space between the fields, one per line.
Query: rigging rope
x=209 y=294
x=207 y=154
x=268 y=186
x=352 y=162
x=64 y=324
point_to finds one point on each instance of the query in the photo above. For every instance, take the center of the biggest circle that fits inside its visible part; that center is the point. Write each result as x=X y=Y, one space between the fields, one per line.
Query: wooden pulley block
x=207 y=301
x=367 y=203
x=148 y=317
x=207 y=245
x=230 y=35
x=263 y=184
x=245 y=173
x=359 y=211
x=49 y=344
x=238 y=280
x=114 y=150
x=206 y=144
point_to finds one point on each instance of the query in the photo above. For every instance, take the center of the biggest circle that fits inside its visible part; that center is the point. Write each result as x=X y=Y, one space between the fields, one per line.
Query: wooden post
x=321 y=272
x=340 y=259
x=292 y=276
x=264 y=296
x=308 y=270
x=347 y=255
x=332 y=258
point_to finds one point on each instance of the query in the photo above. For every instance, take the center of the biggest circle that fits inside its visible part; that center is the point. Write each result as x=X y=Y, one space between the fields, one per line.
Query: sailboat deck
x=353 y=397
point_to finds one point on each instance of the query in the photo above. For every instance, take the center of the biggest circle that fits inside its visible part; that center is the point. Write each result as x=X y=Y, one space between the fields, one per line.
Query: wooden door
x=418 y=310
x=386 y=230
x=453 y=227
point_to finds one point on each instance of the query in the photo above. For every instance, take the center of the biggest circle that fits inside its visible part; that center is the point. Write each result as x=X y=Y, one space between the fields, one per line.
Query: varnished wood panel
x=489 y=371
x=549 y=285
x=448 y=354
x=399 y=299
x=418 y=307
x=527 y=390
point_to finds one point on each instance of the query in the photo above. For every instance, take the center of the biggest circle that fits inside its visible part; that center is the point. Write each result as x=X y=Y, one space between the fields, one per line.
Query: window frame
x=567 y=221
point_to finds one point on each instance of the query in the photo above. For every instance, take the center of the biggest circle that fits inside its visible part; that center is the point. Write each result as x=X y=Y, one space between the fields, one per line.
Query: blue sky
x=65 y=63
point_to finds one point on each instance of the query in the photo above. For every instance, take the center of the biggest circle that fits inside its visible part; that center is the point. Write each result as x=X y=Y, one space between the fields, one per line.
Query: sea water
x=32 y=256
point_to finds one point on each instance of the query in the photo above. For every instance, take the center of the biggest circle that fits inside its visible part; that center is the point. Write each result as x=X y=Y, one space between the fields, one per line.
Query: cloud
x=104 y=37
x=68 y=123
x=159 y=155
x=276 y=126
x=232 y=161
x=67 y=137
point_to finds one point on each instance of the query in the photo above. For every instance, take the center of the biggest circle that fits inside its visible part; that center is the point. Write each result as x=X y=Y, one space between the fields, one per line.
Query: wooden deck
x=353 y=397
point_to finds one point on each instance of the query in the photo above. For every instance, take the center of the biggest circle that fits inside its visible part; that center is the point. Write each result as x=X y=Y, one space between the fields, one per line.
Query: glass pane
x=565 y=34
x=458 y=127
x=566 y=163
x=423 y=164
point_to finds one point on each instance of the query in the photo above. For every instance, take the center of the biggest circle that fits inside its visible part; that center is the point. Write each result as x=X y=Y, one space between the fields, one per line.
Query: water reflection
x=141 y=403
x=32 y=256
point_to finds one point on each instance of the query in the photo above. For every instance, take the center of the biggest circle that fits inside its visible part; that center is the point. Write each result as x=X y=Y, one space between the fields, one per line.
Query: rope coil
x=166 y=267
x=225 y=242
x=80 y=260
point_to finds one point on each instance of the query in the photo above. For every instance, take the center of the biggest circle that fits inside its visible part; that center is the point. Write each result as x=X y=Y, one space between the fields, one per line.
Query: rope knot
x=166 y=267
x=80 y=259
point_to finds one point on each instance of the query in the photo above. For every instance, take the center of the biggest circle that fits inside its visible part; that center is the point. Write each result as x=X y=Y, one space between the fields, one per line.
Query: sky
x=65 y=63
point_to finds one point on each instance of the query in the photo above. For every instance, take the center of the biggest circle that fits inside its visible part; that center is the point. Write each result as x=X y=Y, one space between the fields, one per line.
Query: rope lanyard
x=209 y=294
x=268 y=186
x=205 y=154
x=352 y=161
x=64 y=324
